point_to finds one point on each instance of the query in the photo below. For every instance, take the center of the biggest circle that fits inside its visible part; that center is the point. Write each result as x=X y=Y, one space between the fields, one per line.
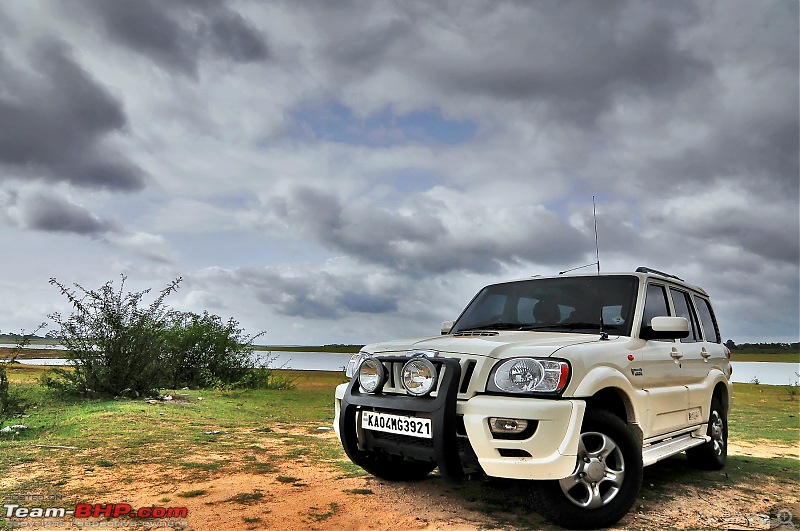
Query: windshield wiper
x=567 y=326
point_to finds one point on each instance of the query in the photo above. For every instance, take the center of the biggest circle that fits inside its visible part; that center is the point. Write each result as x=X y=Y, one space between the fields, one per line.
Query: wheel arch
x=722 y=393
x=616 y=401
x=607 y=382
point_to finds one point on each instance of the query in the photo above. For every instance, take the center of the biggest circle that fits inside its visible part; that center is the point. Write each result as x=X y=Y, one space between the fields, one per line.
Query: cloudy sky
x=353 y=171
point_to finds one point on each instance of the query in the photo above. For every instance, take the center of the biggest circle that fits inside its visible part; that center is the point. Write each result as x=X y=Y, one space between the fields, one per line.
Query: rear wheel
x=395 y=468
x=714 y=454
x=605 y=482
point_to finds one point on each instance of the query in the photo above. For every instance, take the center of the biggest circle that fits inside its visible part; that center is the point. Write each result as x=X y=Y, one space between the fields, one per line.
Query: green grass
x=193 y=493
x=109 y=433
x=172 y=435
x=358 y=491
x=247 y=498
x=764 y=412
x=318 y=515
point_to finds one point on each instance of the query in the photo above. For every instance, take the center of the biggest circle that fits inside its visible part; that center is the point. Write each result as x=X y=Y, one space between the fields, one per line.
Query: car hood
x=501 y=344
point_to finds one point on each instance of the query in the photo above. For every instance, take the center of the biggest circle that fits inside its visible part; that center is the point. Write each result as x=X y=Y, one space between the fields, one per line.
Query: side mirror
x=665 y=328
x=447 y=326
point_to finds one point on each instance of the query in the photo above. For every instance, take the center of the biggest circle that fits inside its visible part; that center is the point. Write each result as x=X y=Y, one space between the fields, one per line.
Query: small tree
x=205 y=351
x=10 y=402
x=115 y=344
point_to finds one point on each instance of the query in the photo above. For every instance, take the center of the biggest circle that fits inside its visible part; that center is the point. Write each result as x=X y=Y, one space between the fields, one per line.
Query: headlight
x=371 y=375
x=529 y=375
x=419 y=376
x=355 y=361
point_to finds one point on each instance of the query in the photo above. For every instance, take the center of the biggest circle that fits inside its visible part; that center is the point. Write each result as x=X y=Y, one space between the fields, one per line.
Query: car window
x=655 y=303
x=564 y=304
x=684 y=308
x=710 y=327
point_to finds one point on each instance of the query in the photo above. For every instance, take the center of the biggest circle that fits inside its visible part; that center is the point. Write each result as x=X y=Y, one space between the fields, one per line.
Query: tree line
x=765 y=348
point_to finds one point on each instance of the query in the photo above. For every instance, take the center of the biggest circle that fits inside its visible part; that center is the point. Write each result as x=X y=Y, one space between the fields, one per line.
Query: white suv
x=573 y=382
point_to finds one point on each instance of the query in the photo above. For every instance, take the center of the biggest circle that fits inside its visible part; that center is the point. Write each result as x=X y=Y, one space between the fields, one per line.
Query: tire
x=605 y=482
x=714 y=454
x=395 y=468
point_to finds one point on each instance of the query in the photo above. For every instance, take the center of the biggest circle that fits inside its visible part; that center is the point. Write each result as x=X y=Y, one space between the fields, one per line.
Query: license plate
x=399 y=424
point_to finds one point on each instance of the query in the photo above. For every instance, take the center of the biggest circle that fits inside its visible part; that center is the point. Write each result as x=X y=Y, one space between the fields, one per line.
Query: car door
x=702 y=356
x=695 y=356
x=661 y=373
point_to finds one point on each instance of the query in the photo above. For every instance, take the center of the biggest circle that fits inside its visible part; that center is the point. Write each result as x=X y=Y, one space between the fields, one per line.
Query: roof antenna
x=603 y=333
x=596 y=246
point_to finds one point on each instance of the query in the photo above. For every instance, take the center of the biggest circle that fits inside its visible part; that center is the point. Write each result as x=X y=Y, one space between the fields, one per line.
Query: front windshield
x=568 y=304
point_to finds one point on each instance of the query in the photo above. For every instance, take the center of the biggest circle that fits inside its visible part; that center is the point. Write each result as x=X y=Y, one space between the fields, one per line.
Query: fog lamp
x=419 y=376
x=507 y=426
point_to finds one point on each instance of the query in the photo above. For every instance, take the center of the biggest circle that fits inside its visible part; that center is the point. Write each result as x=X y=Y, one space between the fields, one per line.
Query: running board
x=661 y=450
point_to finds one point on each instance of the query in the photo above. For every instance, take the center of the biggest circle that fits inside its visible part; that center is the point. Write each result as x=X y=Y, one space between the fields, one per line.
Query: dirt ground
x=308 y=494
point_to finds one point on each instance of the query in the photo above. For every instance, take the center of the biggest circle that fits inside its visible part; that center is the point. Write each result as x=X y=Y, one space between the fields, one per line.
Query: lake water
x=766 y=373
x=743 y=371
x=34 y=347
x=300 y=361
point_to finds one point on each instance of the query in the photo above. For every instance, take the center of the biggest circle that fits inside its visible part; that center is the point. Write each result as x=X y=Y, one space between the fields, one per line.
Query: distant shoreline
x=45 y=353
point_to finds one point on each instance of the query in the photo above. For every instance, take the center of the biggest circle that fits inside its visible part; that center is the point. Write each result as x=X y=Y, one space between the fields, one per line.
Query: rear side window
x=655 y=304
x=710 y=327
x=683 y=308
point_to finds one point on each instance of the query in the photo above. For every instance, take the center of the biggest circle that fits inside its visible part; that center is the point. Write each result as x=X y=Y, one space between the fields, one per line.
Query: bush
x=11 y=403
x=119 y=346
x=204 y=351
x=264 y=377
x=115 y=344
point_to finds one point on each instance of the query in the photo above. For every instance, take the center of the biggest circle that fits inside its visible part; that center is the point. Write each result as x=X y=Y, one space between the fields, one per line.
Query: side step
x=663 y=449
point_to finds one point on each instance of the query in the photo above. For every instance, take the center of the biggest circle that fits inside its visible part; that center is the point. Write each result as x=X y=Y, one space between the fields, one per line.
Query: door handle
x=706 y=354
x=676 y=354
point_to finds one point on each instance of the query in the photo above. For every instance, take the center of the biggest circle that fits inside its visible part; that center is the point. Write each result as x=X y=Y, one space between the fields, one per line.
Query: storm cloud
x=314 y=294
x=54 y=118
x=418 y=238
x=43 y=211
x=353 y=171
x=175 y=34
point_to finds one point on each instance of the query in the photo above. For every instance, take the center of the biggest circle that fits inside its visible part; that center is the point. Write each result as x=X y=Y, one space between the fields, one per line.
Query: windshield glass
x=569 y=304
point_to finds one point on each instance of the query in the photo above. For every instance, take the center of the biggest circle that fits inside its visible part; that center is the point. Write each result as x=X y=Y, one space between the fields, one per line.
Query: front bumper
x=552 y=448
x=550 y=452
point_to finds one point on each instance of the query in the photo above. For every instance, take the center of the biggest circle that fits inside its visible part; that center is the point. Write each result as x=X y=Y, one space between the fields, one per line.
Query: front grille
x=394 y=371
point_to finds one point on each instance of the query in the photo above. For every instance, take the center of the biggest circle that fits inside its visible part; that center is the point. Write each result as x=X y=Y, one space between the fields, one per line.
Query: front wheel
x=395 y=468
x=605 y=482
x=714 y=454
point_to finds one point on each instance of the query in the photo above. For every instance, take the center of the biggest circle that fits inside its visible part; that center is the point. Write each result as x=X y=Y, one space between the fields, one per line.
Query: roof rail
x=657 y=272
